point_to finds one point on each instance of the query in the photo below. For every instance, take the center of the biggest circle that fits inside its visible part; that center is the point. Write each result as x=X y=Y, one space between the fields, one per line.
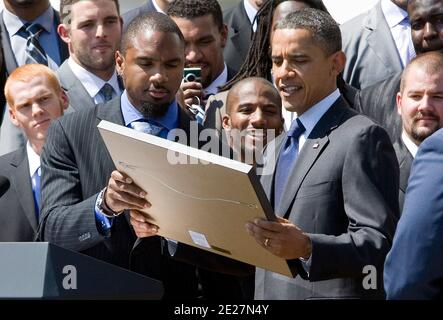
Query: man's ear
x=338 y=62
x=13 y=117
x=398 y=99
x=64 y=99
x=226 y=122
x=224 y=35
x=63 y=31
x=119 y=62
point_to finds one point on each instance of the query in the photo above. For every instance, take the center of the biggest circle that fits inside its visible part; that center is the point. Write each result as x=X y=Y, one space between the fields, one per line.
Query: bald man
x=420 y=105
x=253 y=116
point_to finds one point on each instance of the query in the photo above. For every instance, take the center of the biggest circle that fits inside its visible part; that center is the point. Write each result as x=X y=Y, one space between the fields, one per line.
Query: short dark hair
x=324 y=30
x=65 y=9
x=244 y=81
x=189 y=9
x=153 y=21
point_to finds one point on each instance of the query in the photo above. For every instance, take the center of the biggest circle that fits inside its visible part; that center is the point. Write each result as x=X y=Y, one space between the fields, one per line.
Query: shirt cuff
x=103 y=223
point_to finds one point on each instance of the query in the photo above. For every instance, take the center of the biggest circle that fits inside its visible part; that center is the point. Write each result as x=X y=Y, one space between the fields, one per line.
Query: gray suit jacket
x=11 y=137
x=79 y=98
x=370 y=49
x=343 y=192
x=239 y=35
x=405 y=160
x=18 y=220
x=378 y=102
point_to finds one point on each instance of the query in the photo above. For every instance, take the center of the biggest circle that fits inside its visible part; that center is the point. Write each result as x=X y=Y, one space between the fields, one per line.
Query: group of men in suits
x=334 y=181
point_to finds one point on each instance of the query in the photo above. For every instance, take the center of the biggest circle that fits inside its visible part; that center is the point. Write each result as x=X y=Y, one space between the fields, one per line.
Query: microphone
x=4 y=185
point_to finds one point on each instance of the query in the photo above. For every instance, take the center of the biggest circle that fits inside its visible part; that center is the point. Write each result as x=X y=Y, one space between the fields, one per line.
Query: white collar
x=219 y=81
x=410 y=145
x=33 y=159
x=310 y=118
x=393 y=13
x=157 y=8
x=90 y=81
x=251 y=12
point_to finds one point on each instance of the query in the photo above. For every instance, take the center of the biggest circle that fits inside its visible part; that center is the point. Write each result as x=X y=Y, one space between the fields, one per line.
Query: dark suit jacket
x=413 y=268
x=18 y=221
x=239 y=35
x=405 y=159
x=75 y=167
x=343 y=193
x=379 y=103
x=371 y=53
x=132 y=14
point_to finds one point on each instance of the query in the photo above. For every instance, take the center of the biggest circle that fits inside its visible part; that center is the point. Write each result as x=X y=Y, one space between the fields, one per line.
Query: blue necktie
x=286 y=160
x=34 y=50
x=36 y=191
x=149 y=127
x=106 y=92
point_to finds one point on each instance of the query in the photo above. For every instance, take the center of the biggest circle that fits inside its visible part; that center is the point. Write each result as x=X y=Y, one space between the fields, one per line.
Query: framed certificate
x=197 y=197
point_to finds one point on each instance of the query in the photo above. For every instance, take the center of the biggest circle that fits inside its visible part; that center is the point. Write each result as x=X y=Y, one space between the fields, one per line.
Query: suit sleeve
x=66 y=218
x=413 y=268
x=370 y=199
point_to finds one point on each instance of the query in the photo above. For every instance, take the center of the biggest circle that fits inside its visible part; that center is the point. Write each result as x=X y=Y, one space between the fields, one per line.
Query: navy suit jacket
x=413 y=268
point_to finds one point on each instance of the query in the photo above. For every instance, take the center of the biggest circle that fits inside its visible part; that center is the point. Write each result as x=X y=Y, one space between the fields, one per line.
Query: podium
x=40 y=270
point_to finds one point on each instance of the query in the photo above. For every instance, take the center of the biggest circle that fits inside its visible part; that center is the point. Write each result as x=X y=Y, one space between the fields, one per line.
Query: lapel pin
x=316 y=145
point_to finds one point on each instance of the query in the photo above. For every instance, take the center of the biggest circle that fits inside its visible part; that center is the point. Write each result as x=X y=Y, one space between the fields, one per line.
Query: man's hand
x=281 y=237
x=191 y=90
x=122 y=194
x=141 y=226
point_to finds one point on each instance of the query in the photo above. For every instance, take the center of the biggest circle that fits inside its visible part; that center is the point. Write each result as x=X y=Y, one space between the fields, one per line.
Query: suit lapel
x=111 y=111
x=10 y=62
x=79 y=98
x=405 y=160
x=22 y=184
x=380 y=40
x=317 y=141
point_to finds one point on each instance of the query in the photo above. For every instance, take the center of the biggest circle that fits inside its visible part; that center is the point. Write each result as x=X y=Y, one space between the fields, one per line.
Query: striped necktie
x=35 y=52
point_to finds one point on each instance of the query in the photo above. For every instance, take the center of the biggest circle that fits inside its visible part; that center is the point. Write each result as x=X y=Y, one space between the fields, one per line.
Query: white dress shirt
x=251 y=12
x=156 y=6
x=33 y=159
x=410 y=145
x=92 y=83
x=219 y=81
x=400 y=30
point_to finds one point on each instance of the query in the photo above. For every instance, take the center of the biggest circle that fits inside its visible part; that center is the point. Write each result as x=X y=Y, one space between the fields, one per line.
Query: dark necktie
x=36 y=190
x=106 y=92
x=286 y=160
x=35 y=52
x=149 y=127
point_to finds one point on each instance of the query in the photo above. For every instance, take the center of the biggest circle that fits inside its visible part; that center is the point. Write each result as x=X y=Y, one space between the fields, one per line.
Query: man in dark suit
x=239 y=20
x=201 y=22
x=83 y=196
x=379 y=100
x=89 y=76
x=14 y=42
x=421 y=109
x=413 y=266
x=149 y=6
x=35 y=98
x=337 y=201
x=377 y=43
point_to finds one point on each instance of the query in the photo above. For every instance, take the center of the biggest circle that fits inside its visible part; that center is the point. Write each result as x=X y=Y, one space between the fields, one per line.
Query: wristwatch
x=101 y=206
